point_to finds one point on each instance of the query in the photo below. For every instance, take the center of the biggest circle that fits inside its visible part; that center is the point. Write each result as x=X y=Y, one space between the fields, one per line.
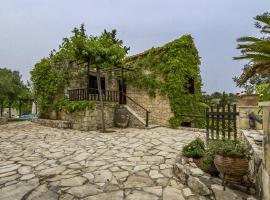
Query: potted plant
x=231 y=159
x=247 y=99
x=195 y=150
x=208 y=165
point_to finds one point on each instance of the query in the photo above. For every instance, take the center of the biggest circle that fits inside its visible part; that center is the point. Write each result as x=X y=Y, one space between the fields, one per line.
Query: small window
x=191 y=86
x=93 y=83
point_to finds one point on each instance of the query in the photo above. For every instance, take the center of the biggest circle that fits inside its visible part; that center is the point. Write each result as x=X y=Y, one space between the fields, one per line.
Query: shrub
x=208 y=165
x=229 y=148
x=64 y=104
x=194 y=149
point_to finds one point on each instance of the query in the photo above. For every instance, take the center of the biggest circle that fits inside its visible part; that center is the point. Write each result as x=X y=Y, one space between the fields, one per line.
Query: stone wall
x=89 y=119
x=80 y=79
x=159 y=106
x=53 y=123
x=266 y=150
x=205 y=185
x=243 y=119
x=253 y=140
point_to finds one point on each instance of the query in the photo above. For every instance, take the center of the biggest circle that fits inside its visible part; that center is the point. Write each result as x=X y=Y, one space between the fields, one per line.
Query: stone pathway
x=39 y=162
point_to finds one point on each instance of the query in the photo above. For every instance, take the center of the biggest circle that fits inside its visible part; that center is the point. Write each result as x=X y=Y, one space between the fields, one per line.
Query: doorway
x=122 y=92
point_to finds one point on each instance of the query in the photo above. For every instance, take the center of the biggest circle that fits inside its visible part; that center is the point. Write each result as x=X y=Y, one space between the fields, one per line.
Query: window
x=93 y=83
x=191 y=86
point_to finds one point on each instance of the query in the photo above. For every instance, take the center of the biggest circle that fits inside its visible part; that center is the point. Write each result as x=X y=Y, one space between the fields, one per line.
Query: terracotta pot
x=247 y=100
x=234 y=168
x=121 y=117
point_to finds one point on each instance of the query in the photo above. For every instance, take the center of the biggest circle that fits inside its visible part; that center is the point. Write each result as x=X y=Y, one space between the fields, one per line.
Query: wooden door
x=122 y=89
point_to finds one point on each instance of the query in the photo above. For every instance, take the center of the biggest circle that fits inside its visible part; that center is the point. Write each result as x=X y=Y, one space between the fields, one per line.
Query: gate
x=221 y=122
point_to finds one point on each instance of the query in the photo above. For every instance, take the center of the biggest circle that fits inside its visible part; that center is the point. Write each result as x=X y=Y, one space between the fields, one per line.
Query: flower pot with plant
x=231 y=159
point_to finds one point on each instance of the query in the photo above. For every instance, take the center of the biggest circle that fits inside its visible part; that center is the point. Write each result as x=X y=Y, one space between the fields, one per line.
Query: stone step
x=135 y=114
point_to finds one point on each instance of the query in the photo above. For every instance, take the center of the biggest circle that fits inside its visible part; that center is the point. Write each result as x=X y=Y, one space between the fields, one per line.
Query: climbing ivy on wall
x=167 y=70
x=51 y=75
x=48 y=84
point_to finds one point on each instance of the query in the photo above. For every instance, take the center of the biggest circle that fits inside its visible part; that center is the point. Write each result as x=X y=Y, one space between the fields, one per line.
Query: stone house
x=143 y=108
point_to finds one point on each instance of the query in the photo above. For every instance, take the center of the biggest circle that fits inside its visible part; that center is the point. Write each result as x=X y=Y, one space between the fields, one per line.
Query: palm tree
x=256 y=50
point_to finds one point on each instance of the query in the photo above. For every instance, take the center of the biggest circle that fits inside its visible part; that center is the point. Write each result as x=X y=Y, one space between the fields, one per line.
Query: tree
x=256 y=49
x=254 y=82
x=11 y=88
x=98 y=52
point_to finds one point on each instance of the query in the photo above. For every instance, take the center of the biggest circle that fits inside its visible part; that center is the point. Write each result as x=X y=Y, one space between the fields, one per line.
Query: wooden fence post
x=234 y=122
x=207 y=124
x=218 y=114
x=223 y=121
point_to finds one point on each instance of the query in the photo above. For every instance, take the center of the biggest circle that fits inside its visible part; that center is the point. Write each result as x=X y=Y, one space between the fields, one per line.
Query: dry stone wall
x=89 y=119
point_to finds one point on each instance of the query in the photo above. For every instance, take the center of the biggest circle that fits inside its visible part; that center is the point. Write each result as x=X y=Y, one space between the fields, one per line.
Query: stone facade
x=243 y=119
x=90 y=119
x=159 y=106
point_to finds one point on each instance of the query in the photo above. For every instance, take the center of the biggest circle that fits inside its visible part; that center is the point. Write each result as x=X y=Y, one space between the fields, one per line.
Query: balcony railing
x=82 y=94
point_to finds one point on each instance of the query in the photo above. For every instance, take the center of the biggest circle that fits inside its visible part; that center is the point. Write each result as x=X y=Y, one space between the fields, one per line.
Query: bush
x=64 y=104
x=229 y=148
x=208 y=165
x=195 y=149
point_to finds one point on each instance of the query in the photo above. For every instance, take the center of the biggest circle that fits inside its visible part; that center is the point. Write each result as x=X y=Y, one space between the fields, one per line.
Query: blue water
x=30 y=116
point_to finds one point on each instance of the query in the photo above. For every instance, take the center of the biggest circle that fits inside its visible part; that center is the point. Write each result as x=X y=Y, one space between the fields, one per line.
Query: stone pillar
x=243 y=119
x=266 y=149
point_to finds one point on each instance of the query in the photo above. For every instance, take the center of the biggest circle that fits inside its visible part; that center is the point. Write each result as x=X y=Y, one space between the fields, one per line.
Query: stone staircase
x=142 y=120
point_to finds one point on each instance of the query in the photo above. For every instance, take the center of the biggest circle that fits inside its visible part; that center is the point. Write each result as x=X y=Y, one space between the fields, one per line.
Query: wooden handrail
x=146 y=111
x=136 y=102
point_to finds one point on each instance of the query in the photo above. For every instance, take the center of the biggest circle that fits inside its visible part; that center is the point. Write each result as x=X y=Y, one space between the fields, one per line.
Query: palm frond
x=249 y=39
x=264 y=18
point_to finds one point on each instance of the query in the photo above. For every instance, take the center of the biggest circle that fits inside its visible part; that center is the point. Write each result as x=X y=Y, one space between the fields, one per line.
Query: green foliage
x=103 y=51
x=256 y=50
x=48 y=84
x=11 y=88
x=251 y=85
x=229 y=148
x=51 y=75
x=11 y=85
x=264 y=91
x=64 y=104
x=208 y=161
x=168 y=71
x=194 y=149
x=174 y=122
x=218 y=98
x=222 y=147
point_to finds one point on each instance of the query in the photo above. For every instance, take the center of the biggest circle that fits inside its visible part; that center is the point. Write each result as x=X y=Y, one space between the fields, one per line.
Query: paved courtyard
x=39 y=162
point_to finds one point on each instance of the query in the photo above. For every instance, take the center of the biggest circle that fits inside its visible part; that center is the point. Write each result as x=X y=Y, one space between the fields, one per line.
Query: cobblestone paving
x=39 y=162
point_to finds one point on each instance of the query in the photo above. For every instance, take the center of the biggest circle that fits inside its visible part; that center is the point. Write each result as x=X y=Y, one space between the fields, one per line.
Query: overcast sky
x=30 y=29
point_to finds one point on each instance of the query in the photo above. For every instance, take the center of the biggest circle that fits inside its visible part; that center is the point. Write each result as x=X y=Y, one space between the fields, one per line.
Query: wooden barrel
x=121 y=117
